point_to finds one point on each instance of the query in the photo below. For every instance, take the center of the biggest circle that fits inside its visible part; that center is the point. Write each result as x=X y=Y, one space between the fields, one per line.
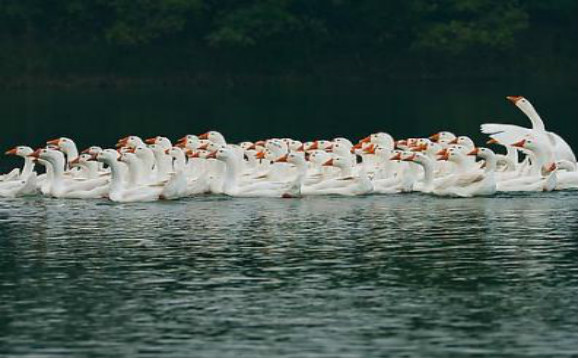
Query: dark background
x=231 y=42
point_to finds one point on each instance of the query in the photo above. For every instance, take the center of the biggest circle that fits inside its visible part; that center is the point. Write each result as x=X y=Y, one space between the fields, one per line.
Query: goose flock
x=442 y=165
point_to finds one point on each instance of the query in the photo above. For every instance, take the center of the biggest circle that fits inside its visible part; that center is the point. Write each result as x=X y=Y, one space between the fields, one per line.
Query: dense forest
x=194 y=40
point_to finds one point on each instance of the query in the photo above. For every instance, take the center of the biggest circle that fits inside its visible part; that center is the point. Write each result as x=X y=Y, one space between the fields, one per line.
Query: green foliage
x=142 y=21
x=463 y=25
x=296 y=30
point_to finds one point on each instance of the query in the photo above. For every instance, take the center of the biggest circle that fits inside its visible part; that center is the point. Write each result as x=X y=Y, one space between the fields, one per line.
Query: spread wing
x=505 y=133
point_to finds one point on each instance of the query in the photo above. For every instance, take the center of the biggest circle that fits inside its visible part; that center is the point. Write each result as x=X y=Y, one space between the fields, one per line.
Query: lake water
x=401 y=275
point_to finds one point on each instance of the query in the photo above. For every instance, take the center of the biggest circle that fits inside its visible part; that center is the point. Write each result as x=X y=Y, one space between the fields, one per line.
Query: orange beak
x=409 y=159
x=370 y=149
x=552 y=167
x=435 y=137
x=474 y=151
x=315 y=145
x=260 y=155
x=11 y=151
x=35 y=154
x=203 y=146
x=454 y=141
x=85 y=151
x=519 y=144
x=420 y=148
x=396 y=156
x=131 y=150
x=204 y=136
x=445 y=156
x=328 y=163
x=514 y=99
x=195 y=155
x=260 y=143
x=212 y=155
x=329 y=149
x=122 y=143
x=301 y=148
x=54 y=141
x=152 y=140
x=283 y=159
x=442 y=152
x=365 y=140
x=181 y=144
x=183 y=139
x=167 y=151
x=492 y=141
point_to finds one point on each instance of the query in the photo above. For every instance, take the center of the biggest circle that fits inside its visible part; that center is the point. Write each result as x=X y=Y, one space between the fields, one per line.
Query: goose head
x=107 y=156
x=67 y=145
x=21 y=151
x=382 y=139
x=319 y=157
x=464 y=141
x=319 y=145
x=131 y=141
x=339 y=162
x=82 y=159
x=443 y=136
x=453 y=154
x=294 y=145
x=341 y=148
x=190 y=141
x=416 y=157
x=343 y=141
x=92 y=150
x=297 y=158
x=521 y=103
x=144 y=153
x=396 y=155
x=175 y=152
x=382 y=152
x=53 y=156
x=129 y=158
x=214 y=136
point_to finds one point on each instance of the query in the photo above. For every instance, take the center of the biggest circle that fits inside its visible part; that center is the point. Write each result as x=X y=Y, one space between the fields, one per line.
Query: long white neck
x=461 y=166
x=532 y=114
x=231 y=175
x=179 y=162
x=164 y=163
x=28 y=167
x=91 y=169
x=117 y=179
x=71 y=153
x=491 y=163
x=429 y=171
x=135 y=172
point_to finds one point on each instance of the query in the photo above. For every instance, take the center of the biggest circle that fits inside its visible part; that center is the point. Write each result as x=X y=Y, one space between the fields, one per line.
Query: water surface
x=402 y=275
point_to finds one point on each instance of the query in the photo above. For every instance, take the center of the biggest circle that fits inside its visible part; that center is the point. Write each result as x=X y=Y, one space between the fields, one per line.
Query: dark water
x=303 y=112
x=403 y=276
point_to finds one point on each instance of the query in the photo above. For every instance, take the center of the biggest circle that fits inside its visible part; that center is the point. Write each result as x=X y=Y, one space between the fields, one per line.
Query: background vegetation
x=200 y=41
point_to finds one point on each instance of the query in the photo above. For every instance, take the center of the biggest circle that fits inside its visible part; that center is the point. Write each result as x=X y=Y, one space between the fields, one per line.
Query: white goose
x=231 y=185
x=346 y=184
x=118 y=191
x=61 y=187
x=509 y=134
x=25 y=183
